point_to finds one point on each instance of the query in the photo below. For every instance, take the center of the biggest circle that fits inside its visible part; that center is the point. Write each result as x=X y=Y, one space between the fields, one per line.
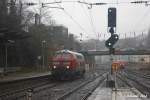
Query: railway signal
x=111 y=26
x=112 y=40
x=111 y=17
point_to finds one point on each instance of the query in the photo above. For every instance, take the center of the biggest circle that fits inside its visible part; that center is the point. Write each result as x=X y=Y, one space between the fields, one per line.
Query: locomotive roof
x=68 y=51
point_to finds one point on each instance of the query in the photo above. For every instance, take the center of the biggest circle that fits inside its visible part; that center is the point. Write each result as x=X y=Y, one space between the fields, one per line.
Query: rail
x=103 y=76
x=139 y=86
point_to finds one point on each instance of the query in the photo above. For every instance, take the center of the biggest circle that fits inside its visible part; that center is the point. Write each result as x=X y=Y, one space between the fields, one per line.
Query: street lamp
x=43 y=56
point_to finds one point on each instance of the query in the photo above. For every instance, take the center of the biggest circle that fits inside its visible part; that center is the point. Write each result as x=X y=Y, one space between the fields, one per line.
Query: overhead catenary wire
x=92 y=22
x=71 y=17
x=85 y=12
x=89 y=18
x=146 y=2
x=92 y=25
x=104 y=3
x=141 y=21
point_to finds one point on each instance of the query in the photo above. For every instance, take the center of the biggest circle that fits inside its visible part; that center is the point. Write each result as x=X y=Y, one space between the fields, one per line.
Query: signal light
x=111 y=41
x=112 y=17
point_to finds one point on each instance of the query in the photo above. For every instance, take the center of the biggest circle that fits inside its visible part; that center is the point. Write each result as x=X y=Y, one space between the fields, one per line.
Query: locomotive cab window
x=63 y=55
x=80 y=57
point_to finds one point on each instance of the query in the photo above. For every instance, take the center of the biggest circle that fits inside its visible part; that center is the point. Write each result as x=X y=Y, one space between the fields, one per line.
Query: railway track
x=23 y=83
x=132 y=81
x=22 y=93
x=139 y=77
x=133 y=89
x=37 y=89
x=81 y=87
x=65 y=90
x=138 y=74
x=18 y=89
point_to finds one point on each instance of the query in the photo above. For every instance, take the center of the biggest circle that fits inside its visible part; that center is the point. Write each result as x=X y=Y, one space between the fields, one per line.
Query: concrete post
x=29 y=94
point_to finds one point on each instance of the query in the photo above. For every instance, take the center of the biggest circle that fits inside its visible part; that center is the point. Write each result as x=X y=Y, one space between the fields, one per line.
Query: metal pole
x=134 y=36
x=125 y=36
x=29 y=94
x=111 y=61
x=5 y=58
x=149 y=59
x=95 y=45
x=104 y=37
x=142 y=39
x=43 y=55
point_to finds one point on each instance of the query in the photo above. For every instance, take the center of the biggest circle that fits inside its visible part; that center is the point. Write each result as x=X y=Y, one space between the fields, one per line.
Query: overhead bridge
x=135 y=52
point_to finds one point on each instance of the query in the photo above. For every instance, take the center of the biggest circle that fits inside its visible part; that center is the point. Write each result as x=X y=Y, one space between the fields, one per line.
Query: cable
x=140 y=22
x=146 y=2
x=88 y=16
x=72 y=17
x=91 y=17
x=91 y=20
x=74 y=21
x=134 y=2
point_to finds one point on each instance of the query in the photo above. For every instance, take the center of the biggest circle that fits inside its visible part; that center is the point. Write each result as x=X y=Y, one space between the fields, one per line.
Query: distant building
x=59 y=31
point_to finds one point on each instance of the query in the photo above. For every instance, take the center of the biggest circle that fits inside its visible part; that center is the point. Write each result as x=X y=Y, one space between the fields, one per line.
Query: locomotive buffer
x=111 y=41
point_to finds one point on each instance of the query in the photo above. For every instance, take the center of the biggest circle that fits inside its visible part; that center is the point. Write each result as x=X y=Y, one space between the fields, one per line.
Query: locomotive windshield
x=63 y=55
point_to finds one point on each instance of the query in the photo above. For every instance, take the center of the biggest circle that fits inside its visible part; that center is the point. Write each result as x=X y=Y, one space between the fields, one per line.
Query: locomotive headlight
x=54 y=67
x=67 y=67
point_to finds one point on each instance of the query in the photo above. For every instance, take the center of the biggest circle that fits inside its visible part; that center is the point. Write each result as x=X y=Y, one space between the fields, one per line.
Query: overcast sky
x=91 y=22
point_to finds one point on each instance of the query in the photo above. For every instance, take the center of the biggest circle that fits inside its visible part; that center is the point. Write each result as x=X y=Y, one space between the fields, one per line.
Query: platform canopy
x=7 y=35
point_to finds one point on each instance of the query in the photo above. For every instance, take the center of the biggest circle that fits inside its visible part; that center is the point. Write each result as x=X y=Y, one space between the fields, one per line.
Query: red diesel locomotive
x=67 y=65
